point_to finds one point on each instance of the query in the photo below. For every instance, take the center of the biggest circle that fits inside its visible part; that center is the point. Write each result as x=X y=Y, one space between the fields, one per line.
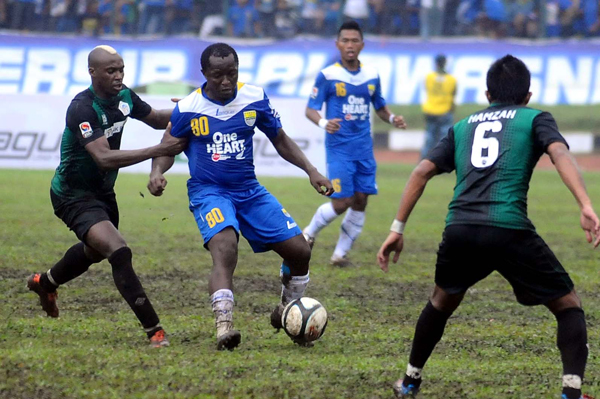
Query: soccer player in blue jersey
x=348 y=88
x=219 y=120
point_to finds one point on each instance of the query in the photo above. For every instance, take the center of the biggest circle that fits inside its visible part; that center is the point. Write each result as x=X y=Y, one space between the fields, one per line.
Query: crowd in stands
x=287 y=18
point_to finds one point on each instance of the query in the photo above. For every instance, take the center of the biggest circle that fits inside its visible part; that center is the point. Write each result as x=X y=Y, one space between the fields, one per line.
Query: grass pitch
x=493 y=347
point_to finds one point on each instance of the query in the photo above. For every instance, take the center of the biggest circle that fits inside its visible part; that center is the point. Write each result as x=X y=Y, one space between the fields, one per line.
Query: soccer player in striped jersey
x=494 y=152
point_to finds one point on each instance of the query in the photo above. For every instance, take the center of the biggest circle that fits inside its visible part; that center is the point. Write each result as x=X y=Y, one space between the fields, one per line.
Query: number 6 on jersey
x=488 y=146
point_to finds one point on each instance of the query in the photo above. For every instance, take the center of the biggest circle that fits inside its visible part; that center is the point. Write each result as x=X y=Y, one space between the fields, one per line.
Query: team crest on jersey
x=124 y=108
x=315 y=93
x=250 y=117
x=86 y=129
x=371 y=89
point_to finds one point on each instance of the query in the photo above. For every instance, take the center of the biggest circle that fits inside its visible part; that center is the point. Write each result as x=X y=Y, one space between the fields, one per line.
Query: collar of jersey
x=111 y=100
x=495 y=104
x=235 y=90
x=349 y=71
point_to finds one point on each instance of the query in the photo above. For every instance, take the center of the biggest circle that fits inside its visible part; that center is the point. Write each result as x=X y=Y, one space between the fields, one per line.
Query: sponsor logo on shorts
x=86 y=129
x=250 y=117
x=124 y=108
x=291 y=225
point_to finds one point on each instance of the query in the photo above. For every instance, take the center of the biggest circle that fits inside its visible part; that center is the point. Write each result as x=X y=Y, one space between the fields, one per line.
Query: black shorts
x=80 y=214
x=469 y=253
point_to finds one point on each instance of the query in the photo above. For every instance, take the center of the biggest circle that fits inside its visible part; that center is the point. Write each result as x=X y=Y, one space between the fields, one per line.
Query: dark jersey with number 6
x=494 y=152
x=88 y=118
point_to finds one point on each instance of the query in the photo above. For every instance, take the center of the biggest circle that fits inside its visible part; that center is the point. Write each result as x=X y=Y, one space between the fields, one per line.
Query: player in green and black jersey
x=82 y=189
x=494 y=152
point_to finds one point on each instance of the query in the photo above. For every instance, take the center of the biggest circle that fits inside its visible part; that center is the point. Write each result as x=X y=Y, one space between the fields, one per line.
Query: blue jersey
x=348 y=95
x=220 y=136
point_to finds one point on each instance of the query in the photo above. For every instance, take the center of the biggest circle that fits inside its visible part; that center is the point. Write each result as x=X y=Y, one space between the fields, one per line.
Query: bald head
x=101 y=55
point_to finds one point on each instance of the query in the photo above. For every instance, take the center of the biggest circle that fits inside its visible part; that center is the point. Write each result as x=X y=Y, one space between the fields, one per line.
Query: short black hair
x=218 y=50
x=508 y=80
x=440 y=60
x=350 y=25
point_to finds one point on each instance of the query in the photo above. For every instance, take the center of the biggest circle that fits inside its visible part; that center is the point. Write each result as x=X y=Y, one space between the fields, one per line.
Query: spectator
x=266 y=16
x=242 y=19
x=552 y=18
x=431 y=18
x=3 y=14
x=523 y=18
x=411 y=21
x=492 y=19
x=67 y=16
x=311 y=17
x=285 y=20
x=178 y=16
x=331 y=15
x=151 y=16
x=570 y=13
x=376 y=16
x=91 y=20
x=213 y=20
x=357 y=10
x=449 y=23
x=23 y=15
x=591 y=22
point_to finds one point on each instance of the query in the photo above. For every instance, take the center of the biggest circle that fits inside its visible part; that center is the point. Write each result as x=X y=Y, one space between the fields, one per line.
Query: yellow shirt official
x=440 y=89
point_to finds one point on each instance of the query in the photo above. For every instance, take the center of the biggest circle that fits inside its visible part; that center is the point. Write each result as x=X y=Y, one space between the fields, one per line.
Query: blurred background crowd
x=287 y=18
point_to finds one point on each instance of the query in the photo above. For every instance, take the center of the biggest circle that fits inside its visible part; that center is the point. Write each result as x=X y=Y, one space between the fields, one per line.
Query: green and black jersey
x=89 y=118
x=494 y=152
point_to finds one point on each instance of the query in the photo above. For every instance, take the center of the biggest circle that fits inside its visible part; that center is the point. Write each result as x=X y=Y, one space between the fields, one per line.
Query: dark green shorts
x=470 y=253
x=80 y=214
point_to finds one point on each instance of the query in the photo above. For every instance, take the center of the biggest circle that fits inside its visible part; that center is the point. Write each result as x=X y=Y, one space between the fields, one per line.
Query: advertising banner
x=562 y=72
x=32 y=126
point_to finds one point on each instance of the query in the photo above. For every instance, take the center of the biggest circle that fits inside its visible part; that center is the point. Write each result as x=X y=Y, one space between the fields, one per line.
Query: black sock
x=73 y=264
x=131 y=289
x=428 y=332
x=571 y=340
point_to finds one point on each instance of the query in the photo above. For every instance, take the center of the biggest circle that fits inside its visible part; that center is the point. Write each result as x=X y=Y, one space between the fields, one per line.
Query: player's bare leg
x=351 y=227
x=295 y=253
x=107 y=241
x=428 y=332
x=223 y=249
x=571 y=341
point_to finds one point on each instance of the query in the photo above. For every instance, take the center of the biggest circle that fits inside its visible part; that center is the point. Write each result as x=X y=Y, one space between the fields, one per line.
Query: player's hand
x=172 y=145
x=399 y=122
x=320 y=183
x=393 y=243
x=333 y=125
x=590 y=225
x=157 y=183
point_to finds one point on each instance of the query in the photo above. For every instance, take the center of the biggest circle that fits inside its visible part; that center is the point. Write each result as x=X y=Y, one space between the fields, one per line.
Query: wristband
x=397 y=226
x=323 y=123
x=391 y=119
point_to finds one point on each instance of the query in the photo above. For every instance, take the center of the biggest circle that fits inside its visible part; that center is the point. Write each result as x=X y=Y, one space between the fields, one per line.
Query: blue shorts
x=349 y=177
x=255 y=212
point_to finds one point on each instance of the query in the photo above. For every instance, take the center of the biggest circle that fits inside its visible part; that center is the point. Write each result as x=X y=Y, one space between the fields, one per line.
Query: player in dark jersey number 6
x=82 y=191
x=494 y=152
x=219 y=120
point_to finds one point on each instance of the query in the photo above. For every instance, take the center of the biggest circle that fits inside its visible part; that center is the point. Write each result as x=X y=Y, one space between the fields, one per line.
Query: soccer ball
x=304 y=320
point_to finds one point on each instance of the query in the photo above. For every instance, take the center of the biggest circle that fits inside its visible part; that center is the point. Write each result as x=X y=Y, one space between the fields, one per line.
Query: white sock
x=351 y=228
x=294 y=288
x=222 y=306
x=414 y=372
x=324 y=215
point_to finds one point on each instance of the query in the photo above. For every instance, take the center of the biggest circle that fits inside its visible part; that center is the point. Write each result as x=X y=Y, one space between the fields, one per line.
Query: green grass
x=569 y=118
x=493 y=348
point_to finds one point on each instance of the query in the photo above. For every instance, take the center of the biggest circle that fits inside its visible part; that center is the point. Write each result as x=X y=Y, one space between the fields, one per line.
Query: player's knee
x=340 y=205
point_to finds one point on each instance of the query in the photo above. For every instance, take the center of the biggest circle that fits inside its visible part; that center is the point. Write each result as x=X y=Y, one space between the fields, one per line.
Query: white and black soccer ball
x=304 y=320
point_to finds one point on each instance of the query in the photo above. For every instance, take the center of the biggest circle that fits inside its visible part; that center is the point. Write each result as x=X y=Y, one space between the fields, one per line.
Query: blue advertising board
x=562 y=72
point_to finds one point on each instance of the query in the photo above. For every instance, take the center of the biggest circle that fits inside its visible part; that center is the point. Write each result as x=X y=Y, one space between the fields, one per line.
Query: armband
x=323 y=123
x=397 y=226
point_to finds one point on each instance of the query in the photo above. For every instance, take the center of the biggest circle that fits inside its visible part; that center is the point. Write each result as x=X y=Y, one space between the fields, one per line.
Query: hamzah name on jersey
x=493 y=116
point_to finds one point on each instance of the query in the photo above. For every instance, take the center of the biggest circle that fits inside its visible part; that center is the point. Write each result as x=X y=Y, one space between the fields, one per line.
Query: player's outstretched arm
x=289 y=150
x=158 y=118
x=108 y=159
x=413 y=190
x=395 y=120
x=569 y=173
